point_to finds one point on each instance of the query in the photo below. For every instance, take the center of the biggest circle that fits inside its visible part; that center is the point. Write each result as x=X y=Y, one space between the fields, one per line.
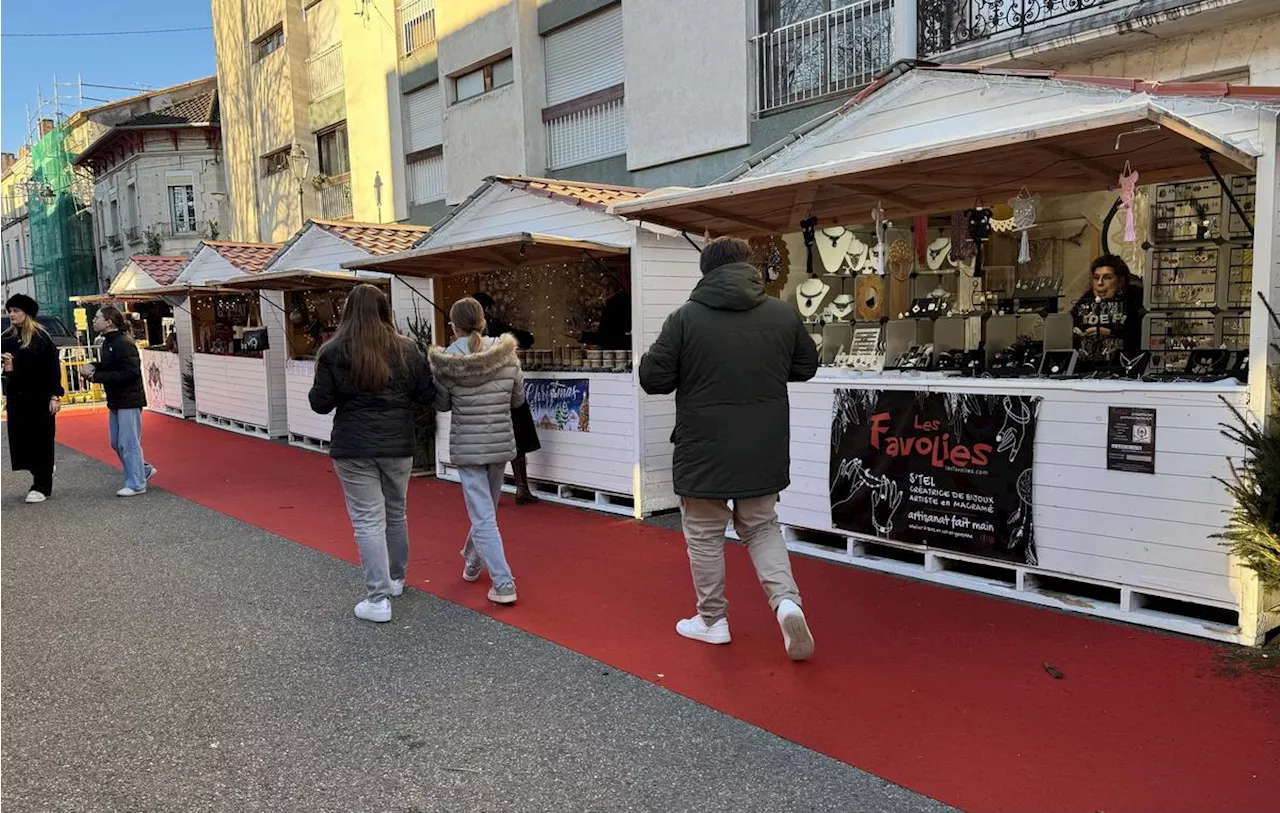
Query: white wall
x=687 y=78
x=503 y=210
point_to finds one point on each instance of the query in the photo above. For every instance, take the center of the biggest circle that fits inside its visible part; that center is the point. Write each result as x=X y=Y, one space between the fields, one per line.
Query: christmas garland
x=1252 y=522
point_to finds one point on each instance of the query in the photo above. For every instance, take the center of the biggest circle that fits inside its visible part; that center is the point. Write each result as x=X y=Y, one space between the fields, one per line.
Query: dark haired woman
x=120 y=373
x=373 y=376
x=33 y=392
x=1108 y=318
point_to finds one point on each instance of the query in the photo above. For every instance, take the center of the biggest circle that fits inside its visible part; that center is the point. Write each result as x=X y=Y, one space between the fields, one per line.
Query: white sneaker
x=397 y=587
x=151 y=472
x=35 y=496
x=378 y=611
x=795 y=631
x=697 y=629
x=131 y=492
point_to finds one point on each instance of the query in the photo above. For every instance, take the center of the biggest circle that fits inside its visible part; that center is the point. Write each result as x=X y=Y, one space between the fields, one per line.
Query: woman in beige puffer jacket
x=479 y=381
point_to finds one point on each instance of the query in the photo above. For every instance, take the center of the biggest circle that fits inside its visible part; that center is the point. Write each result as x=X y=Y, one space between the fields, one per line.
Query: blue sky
x=155 y=60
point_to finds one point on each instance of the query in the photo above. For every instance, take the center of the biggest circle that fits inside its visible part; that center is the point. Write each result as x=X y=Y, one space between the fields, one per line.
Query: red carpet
x=940 y=691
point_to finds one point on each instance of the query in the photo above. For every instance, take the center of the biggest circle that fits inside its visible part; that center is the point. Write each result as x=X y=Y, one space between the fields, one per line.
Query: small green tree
x=424 y=415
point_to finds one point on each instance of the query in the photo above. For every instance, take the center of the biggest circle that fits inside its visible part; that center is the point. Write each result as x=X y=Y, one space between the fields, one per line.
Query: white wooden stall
x=624 y=464
x=318 y=251
x=237 y=393
x=1135 y=547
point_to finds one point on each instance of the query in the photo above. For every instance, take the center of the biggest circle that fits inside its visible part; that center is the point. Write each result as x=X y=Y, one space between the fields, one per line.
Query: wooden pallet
x=233 y=425
x=1189 y=615
x=561 y=493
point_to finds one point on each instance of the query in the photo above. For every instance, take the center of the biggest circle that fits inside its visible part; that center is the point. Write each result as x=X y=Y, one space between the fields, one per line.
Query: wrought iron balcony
x=335 y=199
x=947 y=24
x=826 y=55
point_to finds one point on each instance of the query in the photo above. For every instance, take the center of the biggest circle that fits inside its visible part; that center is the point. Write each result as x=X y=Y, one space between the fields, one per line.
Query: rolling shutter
x=424 y=118
x=585 y=57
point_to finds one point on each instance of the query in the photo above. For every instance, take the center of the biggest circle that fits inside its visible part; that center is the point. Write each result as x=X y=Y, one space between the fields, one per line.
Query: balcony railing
x=586 y=130
x=324 y=72
x=416 y=24
x=826 y=55
x=947 y=24
x=335 y=199
x=114 y=241
x=133 y=234
x=426 y=179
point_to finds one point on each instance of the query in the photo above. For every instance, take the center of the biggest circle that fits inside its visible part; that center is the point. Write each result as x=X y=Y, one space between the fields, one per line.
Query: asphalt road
x=159 y=656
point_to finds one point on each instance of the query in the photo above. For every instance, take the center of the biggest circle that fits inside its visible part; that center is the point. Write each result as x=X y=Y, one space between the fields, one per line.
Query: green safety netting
x=62 y=247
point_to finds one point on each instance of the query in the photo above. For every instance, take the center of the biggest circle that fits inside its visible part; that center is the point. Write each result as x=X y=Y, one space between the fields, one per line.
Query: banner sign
x=559 y=405
x=948 y=470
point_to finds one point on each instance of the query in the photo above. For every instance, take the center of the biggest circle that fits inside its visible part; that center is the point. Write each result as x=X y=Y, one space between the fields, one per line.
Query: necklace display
x=841 y=306
x=937 y=253
x=809 y=296
x=833 y=247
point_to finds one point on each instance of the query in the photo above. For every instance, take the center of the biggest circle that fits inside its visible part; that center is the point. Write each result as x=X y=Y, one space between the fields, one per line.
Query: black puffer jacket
x=728 y=354
x=371 y=424
x=120 y=372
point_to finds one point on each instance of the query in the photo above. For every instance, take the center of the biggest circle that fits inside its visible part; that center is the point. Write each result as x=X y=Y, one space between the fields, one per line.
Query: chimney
x=6 y=161
x=46 y=127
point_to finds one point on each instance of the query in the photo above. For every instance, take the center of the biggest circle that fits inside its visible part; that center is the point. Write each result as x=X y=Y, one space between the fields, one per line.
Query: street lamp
x=300 y=166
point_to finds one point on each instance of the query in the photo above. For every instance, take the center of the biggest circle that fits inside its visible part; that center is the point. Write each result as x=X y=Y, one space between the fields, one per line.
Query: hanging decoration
x=900 y=257
x=770 y=255
x=979 y=219
x=1024 y=206
x=962 y=247
x=877 y=215
x=920 y=230
x=1128 y=192
x=806 y=230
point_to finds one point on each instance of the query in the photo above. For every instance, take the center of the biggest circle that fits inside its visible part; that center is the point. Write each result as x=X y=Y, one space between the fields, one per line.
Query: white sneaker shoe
x=697 y=629
x=795 y=631
x=131 y=492
x=377 y=611
x=35 y=496
x=397 y=587
x=151 y=472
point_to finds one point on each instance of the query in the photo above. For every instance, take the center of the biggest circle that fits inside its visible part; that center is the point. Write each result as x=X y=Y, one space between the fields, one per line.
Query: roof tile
x=164 y=270
x=201 y=109
x=248 y=257
x=376 y=238
x=579 y=193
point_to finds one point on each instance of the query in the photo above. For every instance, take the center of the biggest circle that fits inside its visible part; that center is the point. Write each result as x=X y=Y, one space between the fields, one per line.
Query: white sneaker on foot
x=503 y=595
x=35 y=496
x=378 y=611
x=795 y=630
x=397 y=587
x=697 y=629
x=471 y=571
x=131 y=492
x=151 y=472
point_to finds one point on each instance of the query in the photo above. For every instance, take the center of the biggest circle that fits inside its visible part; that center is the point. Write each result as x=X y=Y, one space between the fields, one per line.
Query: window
x=268 y=43
x=423 y=119
x=275 y=162
x=182 y=209
x=484 y=79
x=333 y=150
x=585 y=57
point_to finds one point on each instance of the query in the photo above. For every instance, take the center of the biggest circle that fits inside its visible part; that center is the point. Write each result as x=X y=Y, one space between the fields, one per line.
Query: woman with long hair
x=120 y=373
x=33 y=393
x=372 y=376
x=478 y=379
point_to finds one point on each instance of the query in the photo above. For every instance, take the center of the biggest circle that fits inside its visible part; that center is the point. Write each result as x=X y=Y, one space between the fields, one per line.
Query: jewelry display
x=869 y=298
x=937 y=253
x=1128 y=192
x=833 y=247
x=1024 y=215
x=962 y=247
x=858 y=257
x=979 y=219
x=810 y=294
x=841 y=307
x=900 y=258
x=877 y=216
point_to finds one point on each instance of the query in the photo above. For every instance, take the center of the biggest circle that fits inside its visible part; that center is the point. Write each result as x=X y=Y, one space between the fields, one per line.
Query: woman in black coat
x=372 y=376
x=33 y=392
x=120 y=373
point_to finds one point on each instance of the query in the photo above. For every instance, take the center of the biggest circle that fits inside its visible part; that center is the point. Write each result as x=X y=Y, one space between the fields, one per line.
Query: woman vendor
x=1107 y=320
x=521 y=417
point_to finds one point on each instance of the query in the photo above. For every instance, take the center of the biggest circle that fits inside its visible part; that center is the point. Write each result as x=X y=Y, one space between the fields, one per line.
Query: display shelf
x=1183 y=277
x=1172 y=337
x=1187 y=211
x=1235 y=331
x=1239 y=276
x=1245 y=190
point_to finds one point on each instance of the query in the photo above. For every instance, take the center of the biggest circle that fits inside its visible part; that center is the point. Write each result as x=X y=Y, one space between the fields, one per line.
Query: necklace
x=834 y=238
x=937 y=252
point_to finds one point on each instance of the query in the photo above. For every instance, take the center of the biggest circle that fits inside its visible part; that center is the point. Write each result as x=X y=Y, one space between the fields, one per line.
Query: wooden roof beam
x=746 y=222
x=872 y=192
x=1095 y=169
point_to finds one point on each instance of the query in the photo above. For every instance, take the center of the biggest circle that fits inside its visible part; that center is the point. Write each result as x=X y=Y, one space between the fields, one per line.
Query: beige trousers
x=756 y=523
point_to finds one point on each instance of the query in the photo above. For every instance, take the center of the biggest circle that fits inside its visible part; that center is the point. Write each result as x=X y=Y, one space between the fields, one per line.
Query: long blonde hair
x=28 y=331
x=467 y=316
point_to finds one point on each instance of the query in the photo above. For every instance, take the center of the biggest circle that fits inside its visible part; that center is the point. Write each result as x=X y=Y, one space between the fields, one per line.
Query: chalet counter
x=1123 y=544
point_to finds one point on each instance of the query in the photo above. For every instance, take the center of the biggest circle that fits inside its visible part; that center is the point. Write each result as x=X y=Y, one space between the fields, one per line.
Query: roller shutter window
x=424 y=118
x=585 y=57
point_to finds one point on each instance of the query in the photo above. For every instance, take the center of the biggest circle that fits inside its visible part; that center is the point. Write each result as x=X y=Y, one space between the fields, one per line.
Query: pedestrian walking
x=728 y=354
x=526 y=431
x=479 y=380
x=119 y=371
x=372 y=376
x=33 y=394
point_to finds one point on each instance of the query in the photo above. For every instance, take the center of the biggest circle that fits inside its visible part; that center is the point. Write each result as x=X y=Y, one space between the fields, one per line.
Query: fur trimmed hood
x=452 y=366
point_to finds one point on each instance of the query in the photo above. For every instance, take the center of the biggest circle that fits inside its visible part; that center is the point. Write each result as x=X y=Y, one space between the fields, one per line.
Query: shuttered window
x=423 y=119
x=585 y=57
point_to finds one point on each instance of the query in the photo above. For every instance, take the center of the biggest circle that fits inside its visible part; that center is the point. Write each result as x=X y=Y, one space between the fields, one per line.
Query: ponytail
x=475 y=341
x=468 y=317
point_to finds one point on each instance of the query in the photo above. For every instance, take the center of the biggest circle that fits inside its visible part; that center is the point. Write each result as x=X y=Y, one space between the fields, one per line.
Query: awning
x=491 y=254
x=151 y=294
x=931 y=142
x=303 y=279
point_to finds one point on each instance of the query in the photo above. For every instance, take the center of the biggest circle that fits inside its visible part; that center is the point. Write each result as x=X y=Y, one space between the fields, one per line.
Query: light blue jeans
x=481 y=488
x=126 y=439
x=375 y=489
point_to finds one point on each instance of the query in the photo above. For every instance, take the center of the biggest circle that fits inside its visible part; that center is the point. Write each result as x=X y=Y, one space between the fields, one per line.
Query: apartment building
x=15 y=225
x=618 y=92
x=310 y=98
x=158 y=180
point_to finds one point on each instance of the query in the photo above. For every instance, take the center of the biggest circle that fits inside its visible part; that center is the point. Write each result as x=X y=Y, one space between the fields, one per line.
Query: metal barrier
x=79 y=390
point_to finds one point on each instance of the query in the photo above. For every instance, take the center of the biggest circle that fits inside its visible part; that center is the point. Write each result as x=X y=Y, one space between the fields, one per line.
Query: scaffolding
x=62 y=247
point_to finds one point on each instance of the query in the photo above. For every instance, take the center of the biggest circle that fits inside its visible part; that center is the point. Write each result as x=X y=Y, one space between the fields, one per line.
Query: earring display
x=809 y=296
x=1186 y=211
